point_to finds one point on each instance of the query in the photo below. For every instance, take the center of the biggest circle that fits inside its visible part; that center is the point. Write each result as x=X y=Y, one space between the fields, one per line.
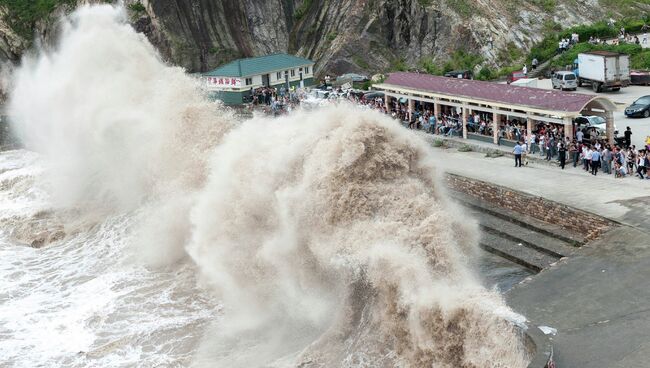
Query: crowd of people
x=587 y=148
x=591 y=154
x=275 y=100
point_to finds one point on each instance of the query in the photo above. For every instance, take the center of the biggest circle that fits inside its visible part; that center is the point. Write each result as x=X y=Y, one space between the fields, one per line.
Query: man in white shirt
x=588 y=156
x=579 y=136
x=531 y=142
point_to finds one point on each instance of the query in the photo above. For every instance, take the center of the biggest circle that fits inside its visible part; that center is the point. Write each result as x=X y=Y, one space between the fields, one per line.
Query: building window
x=306 y=70
x=278 y=75
x=293 y=72
x=249 y=81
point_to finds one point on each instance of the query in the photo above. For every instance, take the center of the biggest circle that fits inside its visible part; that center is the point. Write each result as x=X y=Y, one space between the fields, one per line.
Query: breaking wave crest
x=325 y=234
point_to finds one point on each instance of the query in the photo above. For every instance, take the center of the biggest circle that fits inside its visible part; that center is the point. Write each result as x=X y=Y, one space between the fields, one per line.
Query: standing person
x=517 y=151
x=549 y=148
x=606 y=160
x=525 y=70
x=524 y=152
x=573 y=152
x=641 y=164
x=631 y=159
x=588 y=156
x=531 y=143
x=562 y=154
x=595 y=162
x=534 y=63
x=628 y=137
x=580 y=135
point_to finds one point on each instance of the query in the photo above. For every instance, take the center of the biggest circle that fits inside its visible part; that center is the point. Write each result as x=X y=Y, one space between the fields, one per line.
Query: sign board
x=224 y=82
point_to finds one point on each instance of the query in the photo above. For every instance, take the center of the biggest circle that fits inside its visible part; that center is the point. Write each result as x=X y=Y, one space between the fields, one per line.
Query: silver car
x=564 y=80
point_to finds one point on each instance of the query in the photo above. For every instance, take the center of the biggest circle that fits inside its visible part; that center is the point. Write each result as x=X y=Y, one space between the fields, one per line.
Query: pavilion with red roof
x=533 y=105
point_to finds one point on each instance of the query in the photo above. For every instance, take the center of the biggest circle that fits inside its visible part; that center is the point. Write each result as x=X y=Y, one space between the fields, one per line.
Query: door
x=265 y=80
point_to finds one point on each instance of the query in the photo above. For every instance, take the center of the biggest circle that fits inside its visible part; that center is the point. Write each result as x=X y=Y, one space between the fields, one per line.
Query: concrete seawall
x=590 y=226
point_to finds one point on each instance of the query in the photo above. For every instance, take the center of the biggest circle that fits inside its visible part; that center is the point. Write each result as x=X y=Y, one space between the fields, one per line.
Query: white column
x=495 y=127
x=464 y=115
x=609 y=125
x=568 y=127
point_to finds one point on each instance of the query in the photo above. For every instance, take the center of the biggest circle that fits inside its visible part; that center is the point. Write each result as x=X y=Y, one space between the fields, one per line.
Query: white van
x=564 y=80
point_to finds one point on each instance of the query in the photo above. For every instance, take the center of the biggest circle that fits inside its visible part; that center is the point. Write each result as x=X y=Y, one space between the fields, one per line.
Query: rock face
x=341 y=35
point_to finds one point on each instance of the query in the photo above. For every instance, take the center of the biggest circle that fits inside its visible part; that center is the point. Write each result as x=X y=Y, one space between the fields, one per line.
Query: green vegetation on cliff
x=22 y=15
x=547 y=48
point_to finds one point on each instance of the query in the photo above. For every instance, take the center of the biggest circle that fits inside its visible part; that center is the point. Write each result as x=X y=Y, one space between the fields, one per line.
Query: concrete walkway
x=597 y=299
x=624 y=200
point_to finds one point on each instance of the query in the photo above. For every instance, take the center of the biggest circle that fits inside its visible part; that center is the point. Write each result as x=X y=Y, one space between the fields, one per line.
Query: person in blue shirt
x=517 y=151
x=595 y=161
x=432 y=124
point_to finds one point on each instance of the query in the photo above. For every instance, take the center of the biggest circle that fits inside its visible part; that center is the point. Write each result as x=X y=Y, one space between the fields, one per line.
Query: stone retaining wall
x=589 y=225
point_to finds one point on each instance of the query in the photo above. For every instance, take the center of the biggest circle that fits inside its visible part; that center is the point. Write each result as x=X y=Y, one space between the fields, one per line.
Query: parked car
x=354 y=77
x=460 y=74
x=515 y=76
x=564 y=80
x=639 y=108
x=588 y=122
x=640 y=77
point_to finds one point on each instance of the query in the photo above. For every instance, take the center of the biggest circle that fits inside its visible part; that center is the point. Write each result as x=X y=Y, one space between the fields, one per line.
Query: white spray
x=324 y=233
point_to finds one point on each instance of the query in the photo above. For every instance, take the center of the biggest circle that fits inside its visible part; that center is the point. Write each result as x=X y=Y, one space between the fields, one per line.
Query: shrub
x=485 y=74
x=137 y=7
x=430 y=67
x=302 y=9
x=22 y=14
x=465 y=148
x=494 y=154
x=439 y=143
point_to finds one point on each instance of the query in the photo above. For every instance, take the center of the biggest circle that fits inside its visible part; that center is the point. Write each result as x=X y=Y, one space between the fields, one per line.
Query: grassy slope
x=22 y=15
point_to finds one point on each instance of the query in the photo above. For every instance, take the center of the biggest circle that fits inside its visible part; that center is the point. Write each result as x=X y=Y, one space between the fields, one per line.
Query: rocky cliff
x=341 y=35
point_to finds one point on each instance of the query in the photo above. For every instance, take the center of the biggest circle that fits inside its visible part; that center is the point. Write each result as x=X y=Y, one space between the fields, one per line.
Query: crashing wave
x=326 y=234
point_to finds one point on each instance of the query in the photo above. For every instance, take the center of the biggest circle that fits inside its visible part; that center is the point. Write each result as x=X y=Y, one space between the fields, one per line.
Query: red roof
x=537 y=98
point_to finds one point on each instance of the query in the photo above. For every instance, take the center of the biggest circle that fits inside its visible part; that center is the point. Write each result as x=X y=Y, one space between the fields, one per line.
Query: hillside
x=342 y=35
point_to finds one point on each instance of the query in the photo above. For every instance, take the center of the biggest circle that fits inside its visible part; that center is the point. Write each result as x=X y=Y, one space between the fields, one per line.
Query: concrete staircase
x=542 y=68
x=521 y=239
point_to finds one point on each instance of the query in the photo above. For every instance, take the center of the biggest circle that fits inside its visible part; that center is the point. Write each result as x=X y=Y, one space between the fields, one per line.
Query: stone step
x=530 y=238
x=516 y=252
x=519 y=219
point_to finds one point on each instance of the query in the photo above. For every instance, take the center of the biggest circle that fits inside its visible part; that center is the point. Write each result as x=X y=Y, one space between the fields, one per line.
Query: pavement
x=597 y=299
x=624 y=200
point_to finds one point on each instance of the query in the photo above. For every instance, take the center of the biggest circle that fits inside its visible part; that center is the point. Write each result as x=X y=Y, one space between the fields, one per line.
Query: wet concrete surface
x=597 y=300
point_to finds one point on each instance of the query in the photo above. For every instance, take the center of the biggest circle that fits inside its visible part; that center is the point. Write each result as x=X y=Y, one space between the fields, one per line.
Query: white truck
x=604 y=70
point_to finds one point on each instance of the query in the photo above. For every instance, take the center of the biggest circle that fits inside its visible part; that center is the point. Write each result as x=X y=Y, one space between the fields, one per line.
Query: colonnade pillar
x=464 y=116
x=496 y=119
x=609 y=126
x=568 y=128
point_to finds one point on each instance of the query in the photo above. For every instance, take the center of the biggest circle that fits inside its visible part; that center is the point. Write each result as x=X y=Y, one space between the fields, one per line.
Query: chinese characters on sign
x=228 y=82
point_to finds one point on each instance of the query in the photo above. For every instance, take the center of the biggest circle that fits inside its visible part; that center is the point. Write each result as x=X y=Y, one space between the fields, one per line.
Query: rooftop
x=536 y=98
x=258 y=65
